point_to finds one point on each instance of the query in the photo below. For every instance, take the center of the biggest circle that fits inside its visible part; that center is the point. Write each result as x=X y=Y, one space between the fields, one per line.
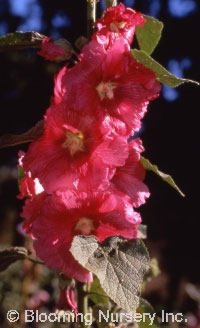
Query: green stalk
x=82 y=290
x=91 y=16
x=110 y=3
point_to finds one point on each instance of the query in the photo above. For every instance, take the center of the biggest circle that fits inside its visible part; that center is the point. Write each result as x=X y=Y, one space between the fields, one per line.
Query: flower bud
x=58 y=51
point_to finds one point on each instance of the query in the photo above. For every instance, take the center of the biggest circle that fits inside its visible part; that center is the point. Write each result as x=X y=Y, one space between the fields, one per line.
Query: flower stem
x=110 y=3
x=34 y=260
x=91 y=16
x=82 y=290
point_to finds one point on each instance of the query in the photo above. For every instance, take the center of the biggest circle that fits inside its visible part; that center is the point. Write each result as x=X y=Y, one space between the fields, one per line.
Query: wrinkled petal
x=50 y=159
x=129 y=178
x=110 y=83
x=55 y=219
x=117 y=22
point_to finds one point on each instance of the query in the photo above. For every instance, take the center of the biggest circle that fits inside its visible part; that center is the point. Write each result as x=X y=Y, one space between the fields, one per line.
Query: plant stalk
x=91 y=16
x=110 y=3
x=82 y=302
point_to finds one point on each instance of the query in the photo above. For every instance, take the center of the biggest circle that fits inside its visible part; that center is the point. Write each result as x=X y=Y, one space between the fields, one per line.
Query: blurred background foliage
x=169 y=132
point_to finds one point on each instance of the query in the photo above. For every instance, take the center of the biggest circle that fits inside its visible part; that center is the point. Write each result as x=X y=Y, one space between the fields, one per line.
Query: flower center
x=105 y=90
x=85 y=226
x=74 y=142
x=116 y=26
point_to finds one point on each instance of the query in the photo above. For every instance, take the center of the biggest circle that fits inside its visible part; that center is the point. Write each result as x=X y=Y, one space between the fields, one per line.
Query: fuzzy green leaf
x=145 y=307
x=118 y=263
x=95 y=311
x=21 y=40
x=9 y=140
x=110 y=3
x=165 y=177
x=154 y=270
x=142 y=231
x=97 y=294
x=162 y=75
x=11 y=255
x=149 y=34
x=21 y=175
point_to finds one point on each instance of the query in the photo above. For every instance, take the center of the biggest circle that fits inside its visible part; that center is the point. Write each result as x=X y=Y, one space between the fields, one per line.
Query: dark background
x=170 y=129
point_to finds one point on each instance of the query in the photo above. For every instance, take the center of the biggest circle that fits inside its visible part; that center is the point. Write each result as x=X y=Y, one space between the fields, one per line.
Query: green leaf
x=35 y=132
x=110 y=3
x=154 y=270
x=11 y=255
x=97 y=294
x=145 y=307
x=162 y=75
x=142 y=231
x=21 y=40
x=118 y=263
x=165 y=177
x=21 y=175
x=149 y=34
x=95 y=311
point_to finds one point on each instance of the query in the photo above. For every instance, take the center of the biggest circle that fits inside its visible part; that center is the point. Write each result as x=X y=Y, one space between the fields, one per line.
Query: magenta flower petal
x=118 y=22
x=63 y=215
x=129 y=178
x=74 y=150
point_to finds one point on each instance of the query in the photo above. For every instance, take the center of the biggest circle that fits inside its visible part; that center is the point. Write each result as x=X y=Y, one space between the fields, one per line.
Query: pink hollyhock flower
x=28 y=187
x=64 y=215
x=75 y=151
x=58 y=87
x=118 y=22
x=128 y=178
x=67 y=299
x=109 y=83
x=59 y=50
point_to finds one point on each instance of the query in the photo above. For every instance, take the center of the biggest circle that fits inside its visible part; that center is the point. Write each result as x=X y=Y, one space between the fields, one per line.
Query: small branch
x=34 y=260
x=91 y=16
x=9 y=140
x=110 y=3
